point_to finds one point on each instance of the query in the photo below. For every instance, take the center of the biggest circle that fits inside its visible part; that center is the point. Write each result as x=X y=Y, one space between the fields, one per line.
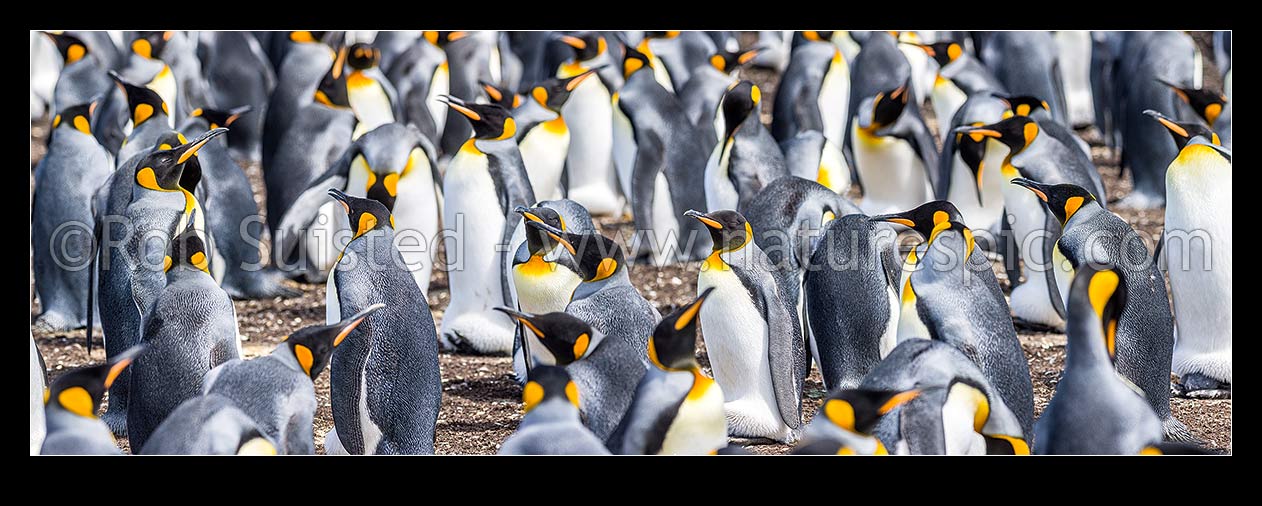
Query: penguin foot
x=1030 y=326
x=456 y=343
x=51 y=322
x=117 y=422
x=1137 y=200
x=1199 y=386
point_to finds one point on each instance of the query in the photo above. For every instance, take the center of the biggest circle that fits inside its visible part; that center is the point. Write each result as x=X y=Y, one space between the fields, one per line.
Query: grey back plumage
x=657 y=400
x=607 y=380
x=203 y=425
x=552 y=428
x=278 y=397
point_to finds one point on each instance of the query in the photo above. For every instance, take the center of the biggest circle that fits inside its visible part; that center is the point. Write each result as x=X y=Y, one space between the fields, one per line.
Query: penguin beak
x=573 y=41
x=749 y=55
x=459 y=106
x=491 y=91
x=522 y=318
x=187 y=151
x=897 y=218
x=525 y=213
x=578 y=79
x=982 y=131
x=1037 y=188
x=704 y=219
x=121 y=361
x=341 y=198
x=234 y=114
x=690 y=314
x=1167 y=122
x=554 y=233
x=349 y=324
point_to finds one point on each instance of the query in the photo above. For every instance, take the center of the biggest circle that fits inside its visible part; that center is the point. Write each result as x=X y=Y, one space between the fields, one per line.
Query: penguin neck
x=1085 y=348
x=183 y=271
x=556 y=409
x=587 y=288
x=285 y=355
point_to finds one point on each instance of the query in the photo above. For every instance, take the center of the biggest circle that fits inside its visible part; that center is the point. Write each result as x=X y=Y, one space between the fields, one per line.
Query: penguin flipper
x=891 y=263
x=1052 y=225
x=648 y=164
x=785 y=350
x=922 y=141
x=653 y=408
x=301 y=213
x=945 y=161
x=1009 y=249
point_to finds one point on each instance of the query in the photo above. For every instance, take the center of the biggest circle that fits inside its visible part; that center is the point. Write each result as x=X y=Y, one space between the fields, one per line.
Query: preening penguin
x=677 y=408
x=747 y=157
x=605 y=371
x=592 y=180
x=277 y=391
x=385 y=383
x=552 y=425
x=488 y=169
x=208 y=425
x=752 y=333
x=71 y=403
x=894 y=152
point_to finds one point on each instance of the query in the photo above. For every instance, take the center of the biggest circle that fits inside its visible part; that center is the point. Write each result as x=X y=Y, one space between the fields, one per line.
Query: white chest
x=892 y=175
x=735 y=335
x=720 y=193
x=624 y=149
x=699 y=426
x=834 y=98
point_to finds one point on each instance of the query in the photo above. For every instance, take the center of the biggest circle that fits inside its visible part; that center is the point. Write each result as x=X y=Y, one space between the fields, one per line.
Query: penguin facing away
x=71 y=403
x=551 y=425
x=208 y=425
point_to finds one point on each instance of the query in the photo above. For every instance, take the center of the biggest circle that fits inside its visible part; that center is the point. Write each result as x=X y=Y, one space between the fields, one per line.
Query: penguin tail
x=1176 y=431
x=265 y=284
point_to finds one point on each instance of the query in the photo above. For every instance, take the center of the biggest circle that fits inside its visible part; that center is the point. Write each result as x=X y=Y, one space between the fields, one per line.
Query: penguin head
x=548 y=382
x=959 y=228
x=254 y=442
x=332 y=89
x=216 y=118
x=598 y=257
x=441 y=39
x=537 y=240
x=306 y=36
x=362 y=56
x=1016 y=132
x=490 y=121
x=635 y=59
x=76 y=117
x=501 y=96
x=553 y=93
x=149 y=45
x=365 y=214
x=143 y=102
x=1182 y=132
x=565 y=336
x=729 y=62
x=729 y=229
x=994 y=422
x=673 y=345
x=1097 y=297
x=1063 y=200
x=72 y=48
x=165 y=169
x=587 y=45
x=924 y=218
x=858 y=410
x=1207 y=103
x=80 y=391
x=817 y=35
x=884 y=108
x=187 y=248
x=942 y=52
x=313 y=346
x=1023 y=105
x=739 y=101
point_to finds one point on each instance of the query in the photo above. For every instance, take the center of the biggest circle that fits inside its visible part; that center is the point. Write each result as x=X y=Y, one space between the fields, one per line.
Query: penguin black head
x=942 y=52
x=1207 y=103
x=537 y=240
x=1023 y=105
x=887 y=106
x=554 y=92
x=739 y=100
x=490 y=121
x=1182 y=132
x=80 y=391
x=313 y=346
x=77 y=117
x=164 y=169
x=729 y=229
x=1097 y=296
x=306 y=36
x=501 y=96
x=332 y=89
x=441 y=39
x=72 y=48
x=817 y=35
x=924 y=218
x=1063 y=200
x=548 y=382
x=362 y=56
x=957 y=226
x=564 y=335
x=673 y=345
x=216 y=118
x=858 y=410
x=587 y=45
x=187 y=248
x=143 y=102
x=365 y=214
x=598 y=256
x=150 y=44
x=1016 y=132
x=728 y=62
x=635 y=59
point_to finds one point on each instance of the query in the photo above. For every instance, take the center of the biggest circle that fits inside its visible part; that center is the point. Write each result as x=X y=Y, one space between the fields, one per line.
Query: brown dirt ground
x=481 y=402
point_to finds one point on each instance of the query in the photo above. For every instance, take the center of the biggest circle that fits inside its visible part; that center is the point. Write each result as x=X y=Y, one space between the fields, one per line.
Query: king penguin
x=1198 y=198
x=814 y=94
x=1095 y=410
x=677 y=408
x=71 y=403
x=747 y=158
x=1145 y=330
x=894 y=152
x=969 y=169
x=846 y=421
x=297 y=77
x=190 y=328
x=488 y=169
x=277 y=391
x=605 y=371
x=551 y=425
x=370 y=94
x=82 y=78
x=592 y=180
x=238 y=75
x=703 y=92
x=1028 y=63
x=177 y=51
x=752 y=334
x=960 y=76
x=385 y=383
x=144 y=105
x=420 y=75
x=661 y=165
x=543 y=134
x=1211 y=106
x=1074 y=48
x=61 y=217
x=469 y=55
x=208 y=425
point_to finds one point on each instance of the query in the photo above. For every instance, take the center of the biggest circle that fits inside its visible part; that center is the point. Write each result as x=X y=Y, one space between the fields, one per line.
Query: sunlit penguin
x=894 y=152
x=71 y=403
x=747 y=157
x=544 y=136
x=846 y=422
x=588 y=114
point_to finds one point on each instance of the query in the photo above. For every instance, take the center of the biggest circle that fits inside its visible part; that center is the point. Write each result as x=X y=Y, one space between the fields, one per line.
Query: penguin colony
x=502 y=147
